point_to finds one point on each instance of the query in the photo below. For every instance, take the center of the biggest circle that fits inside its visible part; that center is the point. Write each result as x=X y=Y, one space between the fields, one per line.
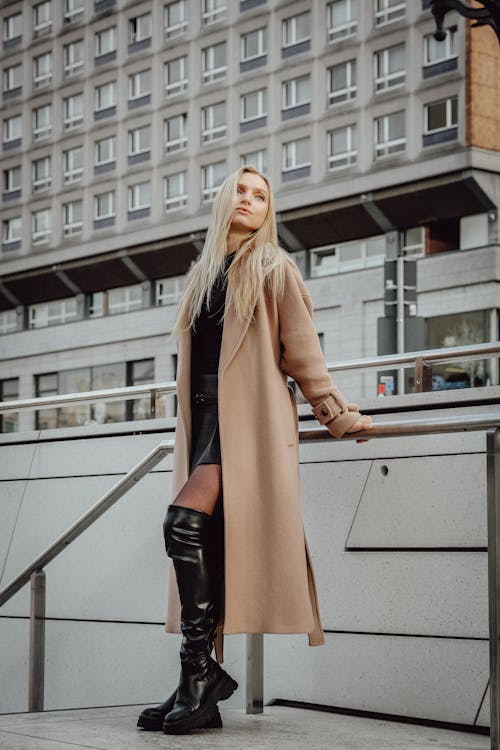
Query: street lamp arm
x=488 y=15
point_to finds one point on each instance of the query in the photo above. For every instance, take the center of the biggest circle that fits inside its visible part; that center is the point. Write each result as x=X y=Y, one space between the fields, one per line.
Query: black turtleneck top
x=206 y=339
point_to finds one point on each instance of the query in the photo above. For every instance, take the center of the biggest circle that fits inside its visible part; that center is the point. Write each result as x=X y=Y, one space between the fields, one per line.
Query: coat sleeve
x=303 y=360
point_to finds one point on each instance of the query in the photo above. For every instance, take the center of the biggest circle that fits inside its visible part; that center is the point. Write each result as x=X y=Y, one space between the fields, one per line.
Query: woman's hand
x=363 y=423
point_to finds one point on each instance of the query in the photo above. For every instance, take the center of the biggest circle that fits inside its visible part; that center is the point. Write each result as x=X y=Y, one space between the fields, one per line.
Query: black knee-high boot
x=189 y=540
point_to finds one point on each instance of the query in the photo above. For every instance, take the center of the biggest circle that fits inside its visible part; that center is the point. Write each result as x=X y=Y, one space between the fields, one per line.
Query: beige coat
x=269 y=579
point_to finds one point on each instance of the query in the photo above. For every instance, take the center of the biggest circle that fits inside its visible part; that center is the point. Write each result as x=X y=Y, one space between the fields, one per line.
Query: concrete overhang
x=362 y=215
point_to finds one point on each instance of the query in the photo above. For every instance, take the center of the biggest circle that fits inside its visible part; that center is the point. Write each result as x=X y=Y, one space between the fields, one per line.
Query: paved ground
x=279 y=728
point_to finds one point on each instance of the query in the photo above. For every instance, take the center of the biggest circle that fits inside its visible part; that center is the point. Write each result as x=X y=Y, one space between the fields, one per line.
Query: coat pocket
x=293 y=420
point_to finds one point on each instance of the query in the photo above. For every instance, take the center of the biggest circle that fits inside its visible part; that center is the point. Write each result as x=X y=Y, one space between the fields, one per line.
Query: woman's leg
x=193 y=540
x=202 y=489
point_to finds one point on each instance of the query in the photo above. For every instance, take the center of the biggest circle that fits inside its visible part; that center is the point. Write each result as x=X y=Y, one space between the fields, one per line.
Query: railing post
x=423 y=376
x=493 y=492
x=37 y=642
x=255 y=673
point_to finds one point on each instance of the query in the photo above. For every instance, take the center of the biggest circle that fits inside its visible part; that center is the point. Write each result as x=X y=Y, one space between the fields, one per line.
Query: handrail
x=101 y=506
x=471 y=351
x=475 y=351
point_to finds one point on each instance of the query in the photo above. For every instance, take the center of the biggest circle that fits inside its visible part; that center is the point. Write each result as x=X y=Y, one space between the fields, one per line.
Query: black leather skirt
x=205 y=441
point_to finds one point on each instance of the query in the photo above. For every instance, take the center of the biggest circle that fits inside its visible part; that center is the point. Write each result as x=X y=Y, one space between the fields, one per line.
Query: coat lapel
x=232 y=334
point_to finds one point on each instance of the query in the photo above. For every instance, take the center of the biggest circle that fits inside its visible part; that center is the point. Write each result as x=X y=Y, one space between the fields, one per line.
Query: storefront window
x=463 y=329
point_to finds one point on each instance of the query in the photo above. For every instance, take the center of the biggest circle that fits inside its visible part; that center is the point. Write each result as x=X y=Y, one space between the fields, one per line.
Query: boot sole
x=150 y=724
x=221 y=691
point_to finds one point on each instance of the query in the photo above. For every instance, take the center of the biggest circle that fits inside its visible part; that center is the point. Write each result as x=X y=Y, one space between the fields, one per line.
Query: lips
x=244 y=210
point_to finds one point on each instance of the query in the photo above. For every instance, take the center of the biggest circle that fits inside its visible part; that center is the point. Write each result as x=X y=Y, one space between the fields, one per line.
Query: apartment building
x=120 y=120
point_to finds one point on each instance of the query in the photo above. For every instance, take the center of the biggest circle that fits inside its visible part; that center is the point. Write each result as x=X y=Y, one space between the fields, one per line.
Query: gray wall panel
x=94 y=664
x=439 y=679
x=430 y=501
x=14 y=644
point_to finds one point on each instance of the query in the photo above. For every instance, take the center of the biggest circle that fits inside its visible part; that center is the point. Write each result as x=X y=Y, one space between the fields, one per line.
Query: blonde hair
x=259 y=260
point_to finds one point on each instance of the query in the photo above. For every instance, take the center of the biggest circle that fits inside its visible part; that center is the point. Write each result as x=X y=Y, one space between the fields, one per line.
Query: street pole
x=400 y=319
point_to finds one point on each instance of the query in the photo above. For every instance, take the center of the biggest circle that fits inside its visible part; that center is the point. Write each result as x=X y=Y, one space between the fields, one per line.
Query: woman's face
x=252 y=202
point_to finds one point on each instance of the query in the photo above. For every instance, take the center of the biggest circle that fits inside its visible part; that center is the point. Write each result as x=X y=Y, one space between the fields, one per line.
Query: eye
x=262 y=197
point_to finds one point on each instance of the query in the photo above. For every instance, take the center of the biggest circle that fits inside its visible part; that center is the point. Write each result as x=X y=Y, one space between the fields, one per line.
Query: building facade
x=121 y=119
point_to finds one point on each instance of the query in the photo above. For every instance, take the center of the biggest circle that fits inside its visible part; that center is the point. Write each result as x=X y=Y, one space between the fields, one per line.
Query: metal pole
x=400 y=319
x=493 y=494
x=37 y=642
x=255 y=673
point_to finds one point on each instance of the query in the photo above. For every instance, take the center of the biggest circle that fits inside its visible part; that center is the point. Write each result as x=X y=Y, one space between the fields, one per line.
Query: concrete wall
x=400 y=558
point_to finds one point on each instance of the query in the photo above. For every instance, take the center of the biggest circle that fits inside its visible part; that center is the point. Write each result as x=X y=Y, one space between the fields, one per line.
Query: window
x=342 y=82
x=253 y=45
x=438 y=51
x=105 y=151
x=41 y=174
x=439 y=117
x=105 y=41
x=389 y=68
x=12 y=230
x=73 y=58
x=139 y=140
x=176 y=191
x=213 y=11
x=214 y=62
x=12 y=179
x=73 y=10
x=42 y=122
x=175 y=19
x=116 y=301
x=176 y=77
x=213 y=175
x=12 y=27
x=296 y=29
x=105 y=96
x=95 y=378
x=296 y=92
x=139 y=84
x=342 y=147
x=387 y=11
x=390 y=135
x=341 y=19
x=12 y=78
x=139 y=196
x=72 y=218
x=258 y=159
x=412 y=241
x=73 y=164
x=9 y=391
x=73 y=111
x=104 y=205
x=42 y=18
x=8 y=323
x=140 y=28
x=176 y=133
x=41 y=225
x=12 y=128
x=169 y=291
x=348 y=256
x=253 y=105
x=213 y=122
x=460 y=329
x=52 y=313
x=296 y=154
x=42 y=70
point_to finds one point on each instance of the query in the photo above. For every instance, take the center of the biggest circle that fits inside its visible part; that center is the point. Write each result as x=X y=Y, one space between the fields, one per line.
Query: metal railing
x=421 y=360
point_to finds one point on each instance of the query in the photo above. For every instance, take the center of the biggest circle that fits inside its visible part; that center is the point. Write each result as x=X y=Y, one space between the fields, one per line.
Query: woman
x=244 y=324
